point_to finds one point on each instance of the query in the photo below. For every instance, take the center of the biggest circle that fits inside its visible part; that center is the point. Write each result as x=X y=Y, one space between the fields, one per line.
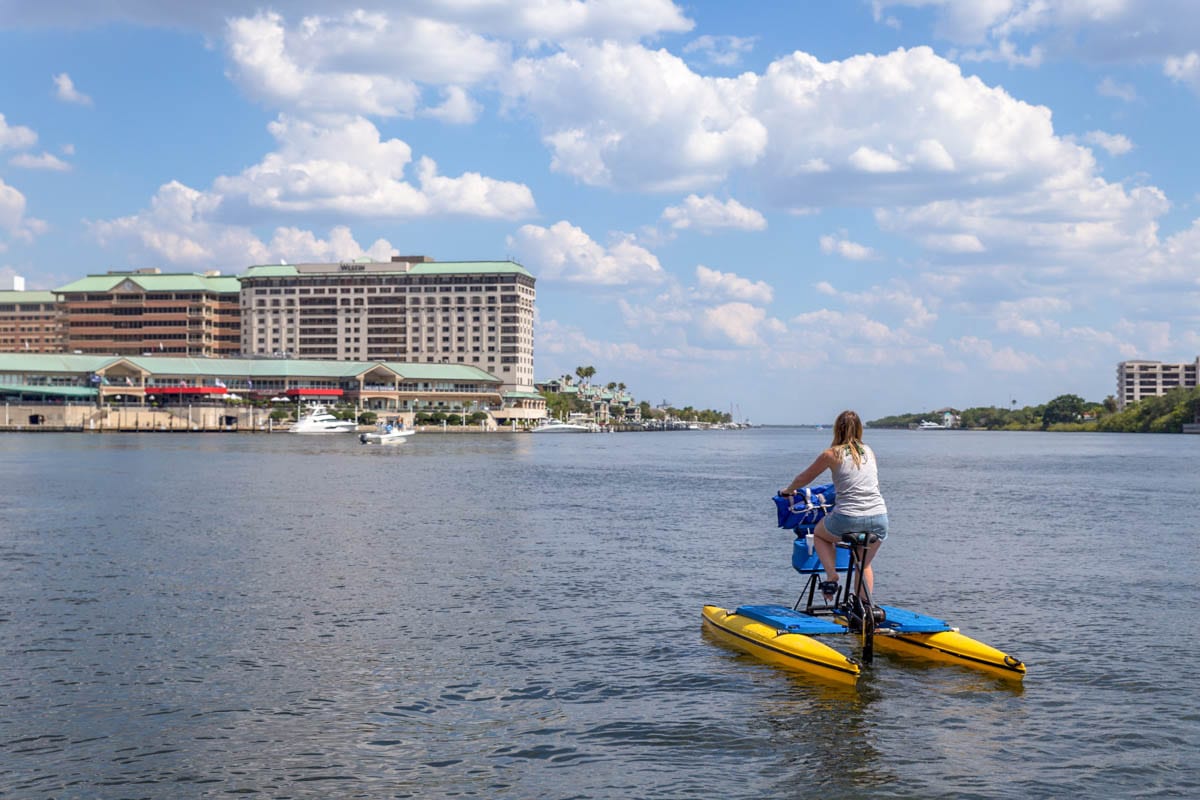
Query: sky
x=777 y=209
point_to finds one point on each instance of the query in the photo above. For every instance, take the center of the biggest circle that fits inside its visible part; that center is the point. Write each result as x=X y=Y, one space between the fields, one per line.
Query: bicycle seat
x=859 y=538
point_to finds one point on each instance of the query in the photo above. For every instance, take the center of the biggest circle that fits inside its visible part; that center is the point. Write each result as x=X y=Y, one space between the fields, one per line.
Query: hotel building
x=1140 y=379
x=29 y=322
x=146 y=311
x=410 y=309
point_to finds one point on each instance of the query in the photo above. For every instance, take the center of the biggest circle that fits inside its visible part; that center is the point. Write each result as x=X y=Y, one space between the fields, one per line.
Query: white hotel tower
x=410 y=309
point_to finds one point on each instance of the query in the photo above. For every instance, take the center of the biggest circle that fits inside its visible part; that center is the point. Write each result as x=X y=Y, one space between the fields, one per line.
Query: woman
x=859 y=505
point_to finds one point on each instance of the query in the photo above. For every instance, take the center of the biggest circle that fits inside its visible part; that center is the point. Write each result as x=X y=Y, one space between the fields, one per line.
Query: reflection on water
x=520 y=616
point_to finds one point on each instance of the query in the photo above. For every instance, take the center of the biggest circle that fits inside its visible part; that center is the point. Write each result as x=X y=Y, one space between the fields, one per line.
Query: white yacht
x=926 y=425
x=558 y=426
x=318 y=420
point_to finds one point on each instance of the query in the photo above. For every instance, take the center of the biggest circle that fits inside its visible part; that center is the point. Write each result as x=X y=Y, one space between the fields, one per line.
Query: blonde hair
x=847 y=437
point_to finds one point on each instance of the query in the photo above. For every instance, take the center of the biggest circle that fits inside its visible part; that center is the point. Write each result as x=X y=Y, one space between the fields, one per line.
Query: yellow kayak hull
x=792 y=650
x=954 y=648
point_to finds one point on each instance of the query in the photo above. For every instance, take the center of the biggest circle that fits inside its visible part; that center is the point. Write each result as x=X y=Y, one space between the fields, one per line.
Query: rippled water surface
x=519 y=616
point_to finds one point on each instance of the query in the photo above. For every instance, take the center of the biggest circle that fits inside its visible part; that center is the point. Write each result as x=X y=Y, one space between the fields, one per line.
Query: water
x=283 y=616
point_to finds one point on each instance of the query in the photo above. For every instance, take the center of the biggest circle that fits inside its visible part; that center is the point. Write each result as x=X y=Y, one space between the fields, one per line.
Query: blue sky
x=787 y=208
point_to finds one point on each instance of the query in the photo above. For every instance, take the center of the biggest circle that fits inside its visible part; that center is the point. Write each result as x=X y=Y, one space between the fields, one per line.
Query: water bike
x=784 y=635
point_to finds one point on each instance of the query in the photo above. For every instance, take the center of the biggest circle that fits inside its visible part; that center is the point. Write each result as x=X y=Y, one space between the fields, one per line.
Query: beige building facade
x=146 y=311
x=29 y=322
x=410 y=309
x=1137 y=380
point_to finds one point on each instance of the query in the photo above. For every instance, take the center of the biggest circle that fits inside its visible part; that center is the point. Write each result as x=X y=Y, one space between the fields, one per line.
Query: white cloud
x=65 y=90
x=868 y=159
x=15 y=137
x=457 y=108
x=714 y=283
x=1115 y=31
x=630 y=117
x=565 y=252
x=179 y=229
x=45 y=161
x=828 y=336
x=1004 y=359
x=14 y=225
x=1184 y=69
x=516 y=19
x=845 y=248
x=707 y=213
x=725 y=51
x=1110 y=87
x=1114 y=143
x=737 y=323
x=347 y=168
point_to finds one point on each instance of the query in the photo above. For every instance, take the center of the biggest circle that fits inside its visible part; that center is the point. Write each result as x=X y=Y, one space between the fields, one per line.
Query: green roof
x=53 y=391
x=239 y=367
x=426 y=268
x=9 y=296
x=151 y=282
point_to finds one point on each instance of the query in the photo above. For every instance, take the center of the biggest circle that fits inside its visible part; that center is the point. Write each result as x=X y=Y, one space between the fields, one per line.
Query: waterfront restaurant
x=172 y=381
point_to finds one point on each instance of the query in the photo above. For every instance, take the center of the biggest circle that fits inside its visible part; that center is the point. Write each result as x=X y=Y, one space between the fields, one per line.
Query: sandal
x=829 y=589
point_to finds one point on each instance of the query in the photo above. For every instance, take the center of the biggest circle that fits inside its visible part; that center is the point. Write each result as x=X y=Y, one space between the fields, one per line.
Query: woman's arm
x=823 y=462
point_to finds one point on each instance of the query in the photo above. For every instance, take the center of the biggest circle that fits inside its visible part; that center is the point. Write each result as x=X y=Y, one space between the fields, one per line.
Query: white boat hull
x=384 y=438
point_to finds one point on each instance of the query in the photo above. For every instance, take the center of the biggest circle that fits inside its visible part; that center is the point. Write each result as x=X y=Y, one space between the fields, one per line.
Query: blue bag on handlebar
x=806 y=508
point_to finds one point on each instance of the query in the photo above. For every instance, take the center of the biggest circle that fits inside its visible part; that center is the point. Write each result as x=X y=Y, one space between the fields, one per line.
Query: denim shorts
x=837 y=524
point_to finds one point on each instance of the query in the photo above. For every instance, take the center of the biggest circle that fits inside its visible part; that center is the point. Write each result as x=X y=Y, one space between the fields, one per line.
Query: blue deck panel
x=788 y=620
x=902 y=620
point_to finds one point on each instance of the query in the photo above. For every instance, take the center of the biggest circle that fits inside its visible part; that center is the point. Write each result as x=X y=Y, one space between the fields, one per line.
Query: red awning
x=307 y=391
x=186 y=390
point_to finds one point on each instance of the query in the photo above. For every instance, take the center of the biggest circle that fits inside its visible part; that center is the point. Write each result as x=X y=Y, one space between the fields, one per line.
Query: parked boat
x=926 y=425
x=318 y=420
x=558 y=426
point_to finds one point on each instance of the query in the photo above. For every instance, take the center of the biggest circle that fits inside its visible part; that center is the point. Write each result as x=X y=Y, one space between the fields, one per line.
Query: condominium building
x=146 y=311
x=29 y=322
x=1140 y=379
x=410 y=309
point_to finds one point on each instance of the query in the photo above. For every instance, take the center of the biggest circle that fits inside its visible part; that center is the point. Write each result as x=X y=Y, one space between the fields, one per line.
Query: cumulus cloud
x=624 y=116
x=15 y=137
x=179 y=228
x=839 y=245
x=706 y=214
x=714 y=283
x=565 y=252
x=349 y=168
x=1114 y=143
x=737 y=323
x=14 y=224
x=65 y=90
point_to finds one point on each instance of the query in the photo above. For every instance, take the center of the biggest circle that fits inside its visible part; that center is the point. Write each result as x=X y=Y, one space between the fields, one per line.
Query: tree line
x=1068 y=412
x=560 y=405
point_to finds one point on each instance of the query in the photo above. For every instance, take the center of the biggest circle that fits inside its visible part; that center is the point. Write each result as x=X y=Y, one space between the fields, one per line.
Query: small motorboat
x=386 y=434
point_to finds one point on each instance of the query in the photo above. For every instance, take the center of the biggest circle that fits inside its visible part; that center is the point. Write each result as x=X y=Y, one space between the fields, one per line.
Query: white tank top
x=857 y=486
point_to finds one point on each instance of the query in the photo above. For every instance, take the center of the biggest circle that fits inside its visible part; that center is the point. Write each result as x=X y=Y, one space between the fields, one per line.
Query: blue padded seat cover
x=902 y=620
x=788 y=620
